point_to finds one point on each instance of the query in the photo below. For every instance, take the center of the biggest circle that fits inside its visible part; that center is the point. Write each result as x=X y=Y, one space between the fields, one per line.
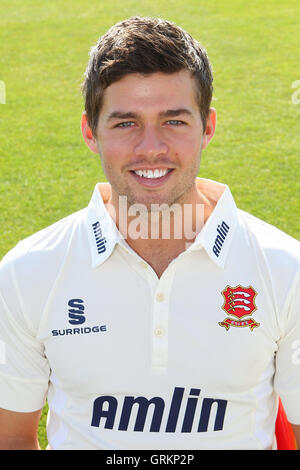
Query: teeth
x=151 y=174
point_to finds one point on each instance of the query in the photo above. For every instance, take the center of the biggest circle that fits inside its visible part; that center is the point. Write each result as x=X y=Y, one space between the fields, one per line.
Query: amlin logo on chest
x=178 y=416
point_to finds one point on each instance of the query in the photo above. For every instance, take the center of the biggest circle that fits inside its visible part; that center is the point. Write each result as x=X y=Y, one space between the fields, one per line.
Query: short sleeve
x=287 y=374
x=24 y=369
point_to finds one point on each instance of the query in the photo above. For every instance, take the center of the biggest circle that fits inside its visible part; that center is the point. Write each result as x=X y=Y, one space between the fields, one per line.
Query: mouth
x=152 y=178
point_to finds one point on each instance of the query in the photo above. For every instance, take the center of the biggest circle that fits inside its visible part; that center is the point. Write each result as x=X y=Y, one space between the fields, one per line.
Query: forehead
x=154 y=92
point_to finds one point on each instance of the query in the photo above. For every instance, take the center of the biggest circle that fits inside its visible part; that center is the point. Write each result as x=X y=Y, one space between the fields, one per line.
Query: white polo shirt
x=193 y=360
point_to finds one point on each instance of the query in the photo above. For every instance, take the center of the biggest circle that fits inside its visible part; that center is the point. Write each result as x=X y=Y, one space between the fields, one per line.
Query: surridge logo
x=222 y=230
x=100 y=239
x=76 y=312
x=77 y=316
x=212 y=413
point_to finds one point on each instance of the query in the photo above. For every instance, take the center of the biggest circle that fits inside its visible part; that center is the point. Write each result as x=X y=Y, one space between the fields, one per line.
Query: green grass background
x=46 y=170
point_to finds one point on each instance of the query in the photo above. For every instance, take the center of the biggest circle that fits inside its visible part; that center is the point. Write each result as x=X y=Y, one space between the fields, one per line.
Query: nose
x=151 y=143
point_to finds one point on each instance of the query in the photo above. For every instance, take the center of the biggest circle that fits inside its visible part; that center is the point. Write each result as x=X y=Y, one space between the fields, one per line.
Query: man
x=161 y=316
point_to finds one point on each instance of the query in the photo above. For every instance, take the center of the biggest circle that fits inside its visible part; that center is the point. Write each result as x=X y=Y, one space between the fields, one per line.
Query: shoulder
x=29 y=271
x=47 y=246
x=267 y=241
x=53 y=234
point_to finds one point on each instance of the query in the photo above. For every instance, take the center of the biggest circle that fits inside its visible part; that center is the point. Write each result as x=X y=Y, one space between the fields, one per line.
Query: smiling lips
x=151 y=173
x=152 y=178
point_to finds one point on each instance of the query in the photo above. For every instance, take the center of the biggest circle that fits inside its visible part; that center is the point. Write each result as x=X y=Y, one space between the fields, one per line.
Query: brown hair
x=144 y=45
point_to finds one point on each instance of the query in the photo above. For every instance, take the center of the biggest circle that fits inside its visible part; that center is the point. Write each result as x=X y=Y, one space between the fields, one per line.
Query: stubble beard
x=180 y=194
x=165 y=214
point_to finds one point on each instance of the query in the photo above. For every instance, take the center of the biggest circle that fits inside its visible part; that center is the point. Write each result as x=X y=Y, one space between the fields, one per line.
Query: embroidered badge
x=239 y=303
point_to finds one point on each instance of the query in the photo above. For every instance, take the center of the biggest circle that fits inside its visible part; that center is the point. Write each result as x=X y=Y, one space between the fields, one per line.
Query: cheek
x=187 y=143
x=111 y=155
x=115 y=147
x=194 y=142
x=189 y=152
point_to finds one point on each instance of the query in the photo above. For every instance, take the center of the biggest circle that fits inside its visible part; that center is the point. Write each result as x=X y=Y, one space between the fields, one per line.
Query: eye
x=175 y=122
x=125 y=124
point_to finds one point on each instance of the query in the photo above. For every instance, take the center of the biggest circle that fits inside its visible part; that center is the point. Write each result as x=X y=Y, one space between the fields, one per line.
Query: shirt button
x=159 y=332
x=160 y=297
x=144 y=265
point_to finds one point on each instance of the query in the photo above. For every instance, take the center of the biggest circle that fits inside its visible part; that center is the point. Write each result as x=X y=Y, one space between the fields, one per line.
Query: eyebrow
x=164 y=114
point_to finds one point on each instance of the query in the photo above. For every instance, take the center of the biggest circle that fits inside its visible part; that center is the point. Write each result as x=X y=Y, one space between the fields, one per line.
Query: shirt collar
x=217 y=233
x=215 y=237
x=102 y=231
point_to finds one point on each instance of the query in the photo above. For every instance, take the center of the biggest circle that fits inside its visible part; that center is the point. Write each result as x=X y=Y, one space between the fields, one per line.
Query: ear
x=87 y=134
x=211 y=123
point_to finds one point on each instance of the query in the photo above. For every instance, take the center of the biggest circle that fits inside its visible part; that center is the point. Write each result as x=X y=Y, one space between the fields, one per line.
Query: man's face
x=150 y=138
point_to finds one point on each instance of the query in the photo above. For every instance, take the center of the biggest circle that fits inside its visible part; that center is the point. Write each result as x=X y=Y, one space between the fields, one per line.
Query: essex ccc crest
x=239 y=303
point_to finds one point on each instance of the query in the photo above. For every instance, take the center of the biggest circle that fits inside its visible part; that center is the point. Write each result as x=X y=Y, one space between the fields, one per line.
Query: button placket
x=161 y=304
